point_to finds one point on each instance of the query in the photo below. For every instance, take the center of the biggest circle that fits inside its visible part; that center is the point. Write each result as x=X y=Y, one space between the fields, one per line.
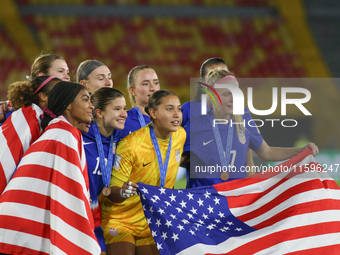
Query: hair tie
x=222 y=81
x=44 y=83
x=48 y=112
x=229 y=76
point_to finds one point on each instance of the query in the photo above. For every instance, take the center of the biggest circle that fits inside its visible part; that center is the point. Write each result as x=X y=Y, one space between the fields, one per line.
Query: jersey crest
x=177 y=156
x=117 y=161
x=242 y=136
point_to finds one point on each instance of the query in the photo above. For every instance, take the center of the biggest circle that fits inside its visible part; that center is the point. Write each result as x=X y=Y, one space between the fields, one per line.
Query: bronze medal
x=224 y=176
x=106 y=191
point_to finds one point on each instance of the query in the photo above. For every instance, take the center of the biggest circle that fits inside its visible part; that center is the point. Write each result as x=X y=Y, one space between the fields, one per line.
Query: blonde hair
x=214 y=76
x=131 y=80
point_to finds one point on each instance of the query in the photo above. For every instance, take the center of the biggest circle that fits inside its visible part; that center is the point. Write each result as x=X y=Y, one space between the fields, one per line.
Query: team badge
x=178 y=156
x=113 y=231
x=117 y=161
x=242 y=137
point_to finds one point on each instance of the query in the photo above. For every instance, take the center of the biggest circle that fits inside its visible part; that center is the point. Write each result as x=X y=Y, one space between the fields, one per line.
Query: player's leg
x=123 y=248
x=147 y=250
x=146 y=246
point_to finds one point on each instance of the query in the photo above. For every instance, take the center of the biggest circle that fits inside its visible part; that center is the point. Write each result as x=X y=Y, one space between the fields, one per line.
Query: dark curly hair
x=21 y=93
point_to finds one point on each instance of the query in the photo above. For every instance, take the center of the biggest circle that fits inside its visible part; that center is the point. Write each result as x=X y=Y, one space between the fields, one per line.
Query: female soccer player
x=220 y=144
x=45 y=207
x=22 y=128
x=100 y=146
x=150 y=155
x=142 y=83
x=93 y=74
x=49 y=64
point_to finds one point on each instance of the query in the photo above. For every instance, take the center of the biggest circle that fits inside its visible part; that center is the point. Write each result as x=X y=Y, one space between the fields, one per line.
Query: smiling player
x=150 y=155
x=100 y=145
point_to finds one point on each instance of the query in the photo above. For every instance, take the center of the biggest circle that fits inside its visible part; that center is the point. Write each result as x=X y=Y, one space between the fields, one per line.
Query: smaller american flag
x=293 y=212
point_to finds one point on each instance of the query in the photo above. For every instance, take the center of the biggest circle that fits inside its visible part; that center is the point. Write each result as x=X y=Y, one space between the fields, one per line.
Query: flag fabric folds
x=45 y=207
x=293 y=208
x=17 y=133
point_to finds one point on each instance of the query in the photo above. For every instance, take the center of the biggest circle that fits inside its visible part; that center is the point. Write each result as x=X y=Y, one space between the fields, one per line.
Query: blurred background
x=256 y=38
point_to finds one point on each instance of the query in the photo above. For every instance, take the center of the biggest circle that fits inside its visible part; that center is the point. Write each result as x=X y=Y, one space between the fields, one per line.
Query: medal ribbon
x=224 y=157
x=106 y=171
x=140 y=117
x=162 y=168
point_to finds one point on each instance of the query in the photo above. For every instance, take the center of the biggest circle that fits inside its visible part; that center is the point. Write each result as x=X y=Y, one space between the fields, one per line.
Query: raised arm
x=268 y=153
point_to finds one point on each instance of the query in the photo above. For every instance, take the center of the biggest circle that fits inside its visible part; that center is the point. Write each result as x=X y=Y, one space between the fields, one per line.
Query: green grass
x=338 y=182
x=181 y=183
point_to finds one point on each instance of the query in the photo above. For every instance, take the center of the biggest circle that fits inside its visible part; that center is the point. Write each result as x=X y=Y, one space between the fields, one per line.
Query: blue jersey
x=6 y=116
x=204 y=155
x=95 y=172
x=132 y=122
x=191 y=110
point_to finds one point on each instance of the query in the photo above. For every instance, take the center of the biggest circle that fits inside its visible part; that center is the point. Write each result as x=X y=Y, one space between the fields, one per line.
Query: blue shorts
x=98 y=231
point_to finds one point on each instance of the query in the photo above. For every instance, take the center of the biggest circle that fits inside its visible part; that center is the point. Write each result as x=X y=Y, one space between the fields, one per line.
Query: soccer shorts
x=113 y=235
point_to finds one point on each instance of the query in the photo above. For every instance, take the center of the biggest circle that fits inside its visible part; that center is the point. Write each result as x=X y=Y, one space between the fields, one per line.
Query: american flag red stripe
x=17 y=133
x=330 y=249
x=303 y=187
x=261 y=244
x=45 y=207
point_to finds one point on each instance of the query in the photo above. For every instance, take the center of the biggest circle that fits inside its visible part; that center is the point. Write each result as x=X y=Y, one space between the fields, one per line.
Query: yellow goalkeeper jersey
x=136 y=161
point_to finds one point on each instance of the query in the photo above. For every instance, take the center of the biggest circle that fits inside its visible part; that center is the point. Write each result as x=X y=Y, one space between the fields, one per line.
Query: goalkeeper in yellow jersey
x=150 y=155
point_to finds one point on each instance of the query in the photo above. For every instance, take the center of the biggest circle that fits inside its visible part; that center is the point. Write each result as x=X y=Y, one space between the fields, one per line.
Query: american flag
x=284 y=212
x=45 y=207
x=17 y=133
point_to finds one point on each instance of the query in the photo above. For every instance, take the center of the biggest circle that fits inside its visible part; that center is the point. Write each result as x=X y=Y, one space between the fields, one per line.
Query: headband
x=89 y=69
x=44 y=83
x=221 y=81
